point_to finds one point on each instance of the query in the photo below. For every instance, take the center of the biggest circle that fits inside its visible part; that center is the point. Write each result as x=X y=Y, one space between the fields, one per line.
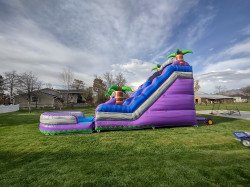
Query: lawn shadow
x=217 y=119
x=18 y=118
x=112 y=165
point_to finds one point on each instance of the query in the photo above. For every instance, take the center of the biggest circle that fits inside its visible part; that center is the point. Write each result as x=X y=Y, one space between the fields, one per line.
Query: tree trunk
x=67 y=98
x=29 y=101
x=180 y=58
x=29 y=106
x=11 y=96
x=118 y=97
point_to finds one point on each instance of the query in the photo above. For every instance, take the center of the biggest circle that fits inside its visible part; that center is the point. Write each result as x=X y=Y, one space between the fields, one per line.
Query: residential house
x=51 y=98
x=74 y=96
x=238 y=95
x=40 y=98
x=212 y=98
x=239 y=100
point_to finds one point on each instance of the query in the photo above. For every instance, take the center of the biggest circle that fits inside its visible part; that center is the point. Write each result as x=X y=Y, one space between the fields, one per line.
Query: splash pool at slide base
x=66 y=122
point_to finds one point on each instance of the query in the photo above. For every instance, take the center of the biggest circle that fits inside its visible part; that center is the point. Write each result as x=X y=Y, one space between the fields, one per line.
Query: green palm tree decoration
x=119 y=90
x=178 y=52
x=156 y=67
x=179 y=55
x=109 y=92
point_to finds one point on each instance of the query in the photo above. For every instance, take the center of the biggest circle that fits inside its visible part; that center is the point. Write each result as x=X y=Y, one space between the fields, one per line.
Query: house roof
x=50 y=92
x=213 y=96
x=70 y=91
x=52 y=95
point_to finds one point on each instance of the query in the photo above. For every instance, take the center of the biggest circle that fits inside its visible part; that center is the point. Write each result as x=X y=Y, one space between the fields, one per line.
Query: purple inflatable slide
x=165 y=99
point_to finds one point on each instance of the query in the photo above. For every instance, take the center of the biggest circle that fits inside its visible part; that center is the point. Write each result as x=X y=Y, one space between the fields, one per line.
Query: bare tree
x=48 y=85
x=220 y=89
x=1 y=85
x=196 y=85
x=99 y=87
x=246 y=90
x=88 y=95
x=120 y=79
x=109 y=79
x=11 y=81
x=27 y=84
x=78 y=84
x=67 y=77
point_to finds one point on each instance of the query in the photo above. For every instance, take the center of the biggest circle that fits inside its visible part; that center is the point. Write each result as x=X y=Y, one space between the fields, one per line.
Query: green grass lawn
x=224 y=106
x=187 y=156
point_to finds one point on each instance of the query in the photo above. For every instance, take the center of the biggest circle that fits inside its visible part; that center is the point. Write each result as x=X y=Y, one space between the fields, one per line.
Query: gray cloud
x=92 y=37
x=87 y=36
x=228 y=79
x=136 y=71
x=231 y=74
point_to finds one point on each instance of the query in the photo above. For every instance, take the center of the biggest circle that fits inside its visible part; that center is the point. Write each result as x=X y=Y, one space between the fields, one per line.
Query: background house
x=238 y=94
x=74 y=96
x=212 y=98
x=240 y=100
x=51 y=98
x=41 y=98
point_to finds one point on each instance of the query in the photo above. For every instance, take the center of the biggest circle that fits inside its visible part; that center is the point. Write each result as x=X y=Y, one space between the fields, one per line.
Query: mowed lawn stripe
x=190 y=156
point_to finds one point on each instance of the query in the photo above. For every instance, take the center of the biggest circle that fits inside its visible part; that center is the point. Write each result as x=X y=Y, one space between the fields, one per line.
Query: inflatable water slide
x=165 y=99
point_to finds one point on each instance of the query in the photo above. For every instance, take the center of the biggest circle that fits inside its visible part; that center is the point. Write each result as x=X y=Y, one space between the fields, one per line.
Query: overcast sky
x=96 y=36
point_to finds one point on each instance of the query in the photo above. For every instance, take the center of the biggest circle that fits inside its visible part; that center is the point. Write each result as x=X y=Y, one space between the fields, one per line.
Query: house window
x=34 y=99
x=79 y=99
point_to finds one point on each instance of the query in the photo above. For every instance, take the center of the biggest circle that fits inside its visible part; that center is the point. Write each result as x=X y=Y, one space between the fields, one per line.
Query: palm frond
x=156 y=67
x=106 y=94
x=186 y=51
x=109 y=92
x=126 y=89
x=172 y=55
x=178 y=51
x=113 y=87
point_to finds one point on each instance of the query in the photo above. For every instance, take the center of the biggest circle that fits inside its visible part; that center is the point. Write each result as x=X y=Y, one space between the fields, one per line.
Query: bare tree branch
x=109 y=79
x=11 y=83
x=246 y=90
x=2 y=88
x=112 y=79
x=196 y=85
x=120 y=79
x=27 y=84
x=78 y=84
x=67 y=77
x=220 y=89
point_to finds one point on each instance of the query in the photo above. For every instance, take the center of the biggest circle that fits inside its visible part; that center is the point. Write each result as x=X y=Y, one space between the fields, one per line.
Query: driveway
x=224 y=113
